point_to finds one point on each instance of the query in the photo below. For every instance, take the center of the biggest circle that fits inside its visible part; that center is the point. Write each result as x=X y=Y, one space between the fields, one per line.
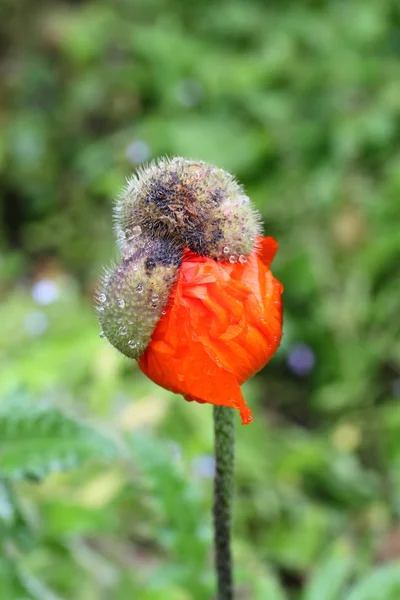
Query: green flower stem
x=224 y=433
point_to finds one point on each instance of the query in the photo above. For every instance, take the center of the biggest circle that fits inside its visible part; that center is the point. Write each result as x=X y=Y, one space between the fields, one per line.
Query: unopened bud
x=134 y=294
x=195 y=204
x=169 y=206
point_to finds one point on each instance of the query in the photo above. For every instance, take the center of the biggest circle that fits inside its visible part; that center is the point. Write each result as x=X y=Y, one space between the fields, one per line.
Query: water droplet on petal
x=139 y=288
x=226 y=250
x=100 y=308
x=102 y=298
x=123 y=331
x=242 y=259
x=163 y=312
x=132 y=344
x=232 y=259
x=155 y=297
x=121 y=303
x=102 y=334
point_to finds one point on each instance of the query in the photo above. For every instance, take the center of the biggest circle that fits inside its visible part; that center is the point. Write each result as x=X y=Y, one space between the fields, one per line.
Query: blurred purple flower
x=301 y=359
x=45 y=291
x=137 y=152
x=204 y=466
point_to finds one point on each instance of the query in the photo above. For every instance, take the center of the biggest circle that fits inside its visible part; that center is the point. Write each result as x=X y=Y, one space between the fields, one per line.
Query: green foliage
x=383 y=583
x=37 y=438
x=330 y=578
x=182 y=529
x=105 y=487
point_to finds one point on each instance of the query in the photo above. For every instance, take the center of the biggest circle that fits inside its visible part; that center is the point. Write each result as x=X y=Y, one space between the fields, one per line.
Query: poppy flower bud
x=193 y=300
x=133 y=295
x=193 y=203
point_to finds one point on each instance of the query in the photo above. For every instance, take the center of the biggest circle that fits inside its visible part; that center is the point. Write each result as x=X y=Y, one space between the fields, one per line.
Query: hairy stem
x=224 y=432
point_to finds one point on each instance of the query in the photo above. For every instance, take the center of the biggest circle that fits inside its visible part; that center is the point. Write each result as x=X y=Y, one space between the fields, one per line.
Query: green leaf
x=267 y=587
x=14 y=524
x=38 y=438
x=18 y=584
x=383 y=583
x=180 y=531
x=329 y=579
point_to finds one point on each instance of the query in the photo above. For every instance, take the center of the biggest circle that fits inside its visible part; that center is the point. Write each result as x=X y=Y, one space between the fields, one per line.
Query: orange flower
x=223 y=323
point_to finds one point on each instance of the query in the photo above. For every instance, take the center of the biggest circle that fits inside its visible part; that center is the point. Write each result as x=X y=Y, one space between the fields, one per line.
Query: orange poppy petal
x=223 y=323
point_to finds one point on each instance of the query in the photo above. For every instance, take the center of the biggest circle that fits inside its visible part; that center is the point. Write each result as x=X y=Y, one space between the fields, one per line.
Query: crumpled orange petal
x=223 y=324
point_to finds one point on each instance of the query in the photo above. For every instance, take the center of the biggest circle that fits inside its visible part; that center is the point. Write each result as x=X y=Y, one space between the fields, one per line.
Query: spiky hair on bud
x=134 y=294
x=195 y=204
x=167 y=207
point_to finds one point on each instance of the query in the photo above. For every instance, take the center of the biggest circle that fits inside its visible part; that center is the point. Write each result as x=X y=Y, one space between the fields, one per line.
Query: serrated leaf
x=37 y=438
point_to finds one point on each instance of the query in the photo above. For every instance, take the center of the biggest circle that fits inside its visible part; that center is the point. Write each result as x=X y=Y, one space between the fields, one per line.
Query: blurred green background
x=105 y=479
